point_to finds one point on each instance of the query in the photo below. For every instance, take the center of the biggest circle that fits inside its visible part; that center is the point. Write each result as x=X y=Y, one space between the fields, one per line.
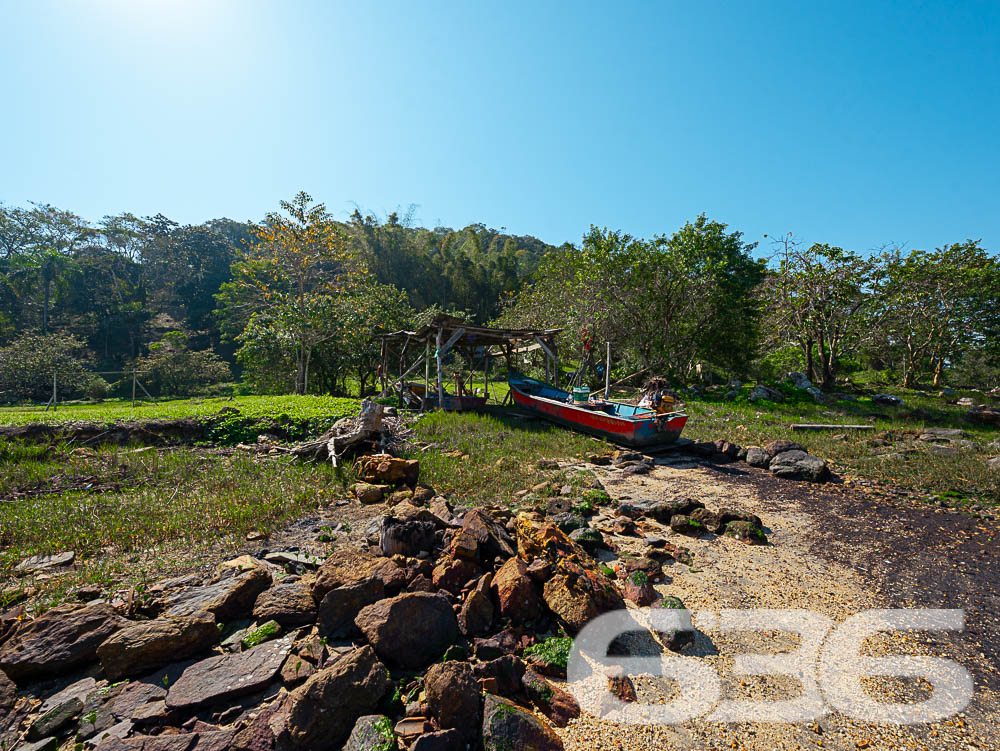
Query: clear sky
x=853 y=123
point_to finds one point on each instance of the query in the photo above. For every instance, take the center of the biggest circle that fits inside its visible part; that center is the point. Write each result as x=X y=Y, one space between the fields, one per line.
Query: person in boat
x=657 y=401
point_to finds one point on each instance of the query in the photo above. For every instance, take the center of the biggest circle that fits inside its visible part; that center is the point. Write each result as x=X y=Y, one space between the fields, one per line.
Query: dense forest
x=294 y=301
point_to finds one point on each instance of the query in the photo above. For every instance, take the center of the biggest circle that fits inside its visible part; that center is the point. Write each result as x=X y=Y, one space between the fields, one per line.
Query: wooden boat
x=626 y=424
x=414 y=394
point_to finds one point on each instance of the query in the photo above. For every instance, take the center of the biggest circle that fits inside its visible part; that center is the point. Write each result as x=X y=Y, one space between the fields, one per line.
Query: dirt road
x=835 y=550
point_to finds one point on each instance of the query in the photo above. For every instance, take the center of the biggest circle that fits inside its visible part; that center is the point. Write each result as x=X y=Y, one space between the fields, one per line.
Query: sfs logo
x=829 y=664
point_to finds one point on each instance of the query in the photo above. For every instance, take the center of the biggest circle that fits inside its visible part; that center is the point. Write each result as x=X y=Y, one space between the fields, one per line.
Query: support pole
x=427 y=374
x=133 y=388
x=486 y=373
x=440 y=384
x=607 y=372
x=52 y=399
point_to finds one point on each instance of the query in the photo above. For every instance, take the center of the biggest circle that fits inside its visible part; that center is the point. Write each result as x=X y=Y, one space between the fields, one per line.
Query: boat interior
x=543 y=390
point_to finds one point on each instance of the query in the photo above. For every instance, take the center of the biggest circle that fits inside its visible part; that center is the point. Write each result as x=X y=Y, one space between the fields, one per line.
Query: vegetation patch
x=553 y=651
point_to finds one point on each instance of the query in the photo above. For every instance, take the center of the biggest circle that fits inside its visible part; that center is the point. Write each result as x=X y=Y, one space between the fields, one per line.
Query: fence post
x=607 y=373
x=133 y=388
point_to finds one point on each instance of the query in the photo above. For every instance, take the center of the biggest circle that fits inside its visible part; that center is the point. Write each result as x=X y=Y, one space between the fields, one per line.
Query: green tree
x=172 y=368
x=28 y=364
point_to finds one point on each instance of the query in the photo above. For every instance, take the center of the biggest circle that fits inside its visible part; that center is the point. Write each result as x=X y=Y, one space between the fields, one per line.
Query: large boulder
x=229 y=598
x=142 y=647
x=222 y=677
x=290 y=605
x=515 y=592
x=453 y=574
x=323 y=710
x=64 y=638
x=782 y=445
x=509 y=727
x=340 y=606
x=409 y=630
x=382 y=469
x=555 y=703
x=452 y=693
x=577 y=594
x=762 y=392
x=349 y=566
x=887 y=400
x=758 y=457
x=798 y=465
x=491 y=537
x=476 y=615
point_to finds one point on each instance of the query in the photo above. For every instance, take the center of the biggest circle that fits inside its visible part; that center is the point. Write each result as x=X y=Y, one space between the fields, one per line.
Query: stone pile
x=429 y=635
x=785 y=459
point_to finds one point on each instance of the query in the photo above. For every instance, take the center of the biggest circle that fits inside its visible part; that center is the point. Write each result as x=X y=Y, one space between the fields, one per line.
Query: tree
x=816 y=297
x=937 y=305
x=28 y=364
x=171 y=368
x=297 y=261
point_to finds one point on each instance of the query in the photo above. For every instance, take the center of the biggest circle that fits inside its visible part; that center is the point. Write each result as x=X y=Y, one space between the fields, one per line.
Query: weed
x=553 y=651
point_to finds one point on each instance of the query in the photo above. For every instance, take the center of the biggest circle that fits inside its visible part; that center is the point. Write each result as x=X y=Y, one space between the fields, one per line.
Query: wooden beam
x=810 y=426
x=437 y=356
x=403 y=375
x=450 y=343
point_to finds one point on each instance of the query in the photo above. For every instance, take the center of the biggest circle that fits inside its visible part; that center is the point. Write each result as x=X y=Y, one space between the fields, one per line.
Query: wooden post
x=440 y=383
x=607 y=372
x=486 y=373
x=133 y=388
x=555 y=353
x=52 y=399
x=427 y=374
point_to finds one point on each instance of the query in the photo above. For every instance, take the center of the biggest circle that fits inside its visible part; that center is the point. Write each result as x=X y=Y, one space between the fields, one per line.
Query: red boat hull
x=638 y=433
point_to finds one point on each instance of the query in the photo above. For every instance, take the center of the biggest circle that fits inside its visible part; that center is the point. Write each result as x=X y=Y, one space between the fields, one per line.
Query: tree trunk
x=810 y=368
x=938 y=370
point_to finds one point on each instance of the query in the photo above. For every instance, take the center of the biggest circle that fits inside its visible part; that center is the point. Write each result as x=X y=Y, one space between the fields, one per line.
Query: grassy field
x=135 y=513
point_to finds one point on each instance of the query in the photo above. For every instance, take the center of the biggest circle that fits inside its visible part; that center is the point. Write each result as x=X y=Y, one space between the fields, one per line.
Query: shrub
x=171 y=369
x=28 y=363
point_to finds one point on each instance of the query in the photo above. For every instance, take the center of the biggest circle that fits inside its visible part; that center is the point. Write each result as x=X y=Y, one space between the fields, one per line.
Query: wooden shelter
x=402 y=355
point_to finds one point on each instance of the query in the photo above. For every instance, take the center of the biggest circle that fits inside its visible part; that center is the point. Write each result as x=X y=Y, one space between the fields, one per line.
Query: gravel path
x=836 y=550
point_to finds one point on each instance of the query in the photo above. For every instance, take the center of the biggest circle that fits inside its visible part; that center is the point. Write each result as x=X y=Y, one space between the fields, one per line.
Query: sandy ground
x=836 y=551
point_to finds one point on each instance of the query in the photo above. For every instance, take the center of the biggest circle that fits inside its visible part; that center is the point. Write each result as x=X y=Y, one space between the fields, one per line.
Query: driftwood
x=363 y=436
x=810 y=426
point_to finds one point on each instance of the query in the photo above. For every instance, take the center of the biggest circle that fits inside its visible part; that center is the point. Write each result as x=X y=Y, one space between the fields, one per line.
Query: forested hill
x=121 y=283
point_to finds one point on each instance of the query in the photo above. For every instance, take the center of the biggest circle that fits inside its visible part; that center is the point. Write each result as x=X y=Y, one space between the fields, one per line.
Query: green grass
x=967 y=475
x=553 y=651
x=503 y=454
x=252 y=407
x=170 y=505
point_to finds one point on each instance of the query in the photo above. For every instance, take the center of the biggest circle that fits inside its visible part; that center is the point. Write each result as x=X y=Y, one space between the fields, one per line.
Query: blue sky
x=857 y=124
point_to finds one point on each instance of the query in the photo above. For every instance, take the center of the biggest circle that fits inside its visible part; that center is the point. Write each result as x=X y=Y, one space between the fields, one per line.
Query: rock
x=731 y=395
x=985 y=415
x=217 y=679
x=348 y=566
x=929 y=434
x=727 y=515
x=994 y=464
x=507 y=727
x=452 y=574
x=781 y=445
x=339 y=608
x=453 y=697
x=43 y=562
x=368 y=494
x=260 y=634
x=727 y=449
x=942 y=451
x=589 y=539
x=8 y=695
x=799 y=380
x=291 y=558
x=746 y=532
x=409 y=630
x=476 y=615
x=684 y=525
x=946 y=392
x=227 y=599
x=507 y=672
x=52 y=721
x=568 y=521
x=540 y=570
x=576 y=595
x=322 y=711
x=624 y=526
x=639 y=590
x=711 y=520
x=296 y=669
x=817 y=395
x=64 y=638
x=555 y=703
x=290 y=605
x=492 y=538
x=516 y=593
x=798 y=465
x=761 y=392
x=372 y=732
x=600 y=460
x=966 y=401
x=887 y=400
x=441 y=740
x=407 y=537
x=382 y=469
x=141 y=647
x=662 y=511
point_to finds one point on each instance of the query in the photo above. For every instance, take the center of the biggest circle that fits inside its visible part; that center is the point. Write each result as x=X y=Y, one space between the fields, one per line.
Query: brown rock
x=382 y=469
x=290 y=605
x=476 y=615
x=490 y=534
x=347 y=566
x=576 y=595
x=409 y=630
x=452 y=574
x=340 y=606
x=555 y=703
x=453 y=697
x=368 y=493
x=141 y=647
x=516 y=592
x=441 y=740
x=223 y=677
x=323 y=710
x=296 y=669
x=781 y=445
x=64 y=638
x=227 y=599
x=506 y=726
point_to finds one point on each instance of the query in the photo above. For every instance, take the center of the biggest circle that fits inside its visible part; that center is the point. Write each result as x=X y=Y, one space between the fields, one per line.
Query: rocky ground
x=431 y=626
